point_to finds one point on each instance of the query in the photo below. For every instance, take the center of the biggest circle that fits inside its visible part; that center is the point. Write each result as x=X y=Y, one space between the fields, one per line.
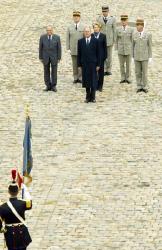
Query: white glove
x=27 y=195
x=150 y=60
x=69 y=51
x=132 y=60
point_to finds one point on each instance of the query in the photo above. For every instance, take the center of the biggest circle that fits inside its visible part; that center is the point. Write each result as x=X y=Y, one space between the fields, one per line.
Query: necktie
x=49 y=39
x=76 y=27
x=105 y=20
x=87 y=41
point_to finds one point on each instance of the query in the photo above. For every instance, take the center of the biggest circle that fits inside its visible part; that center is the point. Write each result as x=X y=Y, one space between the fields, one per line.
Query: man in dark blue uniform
x=89 y=60
x=103 y=51
x=12 y=219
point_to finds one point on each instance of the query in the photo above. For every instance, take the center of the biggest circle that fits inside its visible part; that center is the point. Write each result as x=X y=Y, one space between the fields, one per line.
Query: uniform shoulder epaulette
x=28 y=203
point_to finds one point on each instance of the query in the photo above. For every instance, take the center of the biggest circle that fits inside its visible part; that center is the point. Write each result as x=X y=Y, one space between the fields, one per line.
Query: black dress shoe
x=106 y=74
x=86 y=100
x=145 y=90
x=100 y=90
x=47 y=89
x=139 y=90
x=93 y=100
x=54 y=89
x=75 y=81
x=129 y=82
x=122 y=81
x=109 y=73
x=79 y=81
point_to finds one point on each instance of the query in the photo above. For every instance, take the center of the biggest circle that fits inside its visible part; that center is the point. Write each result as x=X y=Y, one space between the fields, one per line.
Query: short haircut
x=49 y=26
x=96 y=24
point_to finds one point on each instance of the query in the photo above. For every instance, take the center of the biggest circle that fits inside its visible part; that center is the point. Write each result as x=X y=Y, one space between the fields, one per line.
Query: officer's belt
x=14 y=225
x=16 y=213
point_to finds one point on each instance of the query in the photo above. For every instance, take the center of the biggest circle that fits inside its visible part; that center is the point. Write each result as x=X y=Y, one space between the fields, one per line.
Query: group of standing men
x=91 y=52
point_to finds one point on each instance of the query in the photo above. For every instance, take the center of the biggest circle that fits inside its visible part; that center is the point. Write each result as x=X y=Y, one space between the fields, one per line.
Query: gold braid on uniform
x=28 y=204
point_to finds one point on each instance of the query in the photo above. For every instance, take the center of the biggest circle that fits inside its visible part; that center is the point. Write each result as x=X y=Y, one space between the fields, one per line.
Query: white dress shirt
x=97 y=35
x=50 y=37
x=124 y=28
x=141 y=34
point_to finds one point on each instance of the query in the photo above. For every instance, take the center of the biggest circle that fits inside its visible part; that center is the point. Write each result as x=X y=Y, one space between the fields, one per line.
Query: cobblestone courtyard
x=97 y=176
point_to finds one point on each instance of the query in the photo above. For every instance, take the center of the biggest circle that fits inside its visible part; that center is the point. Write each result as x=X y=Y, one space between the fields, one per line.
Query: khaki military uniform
x=72 y=38
x=109 y=29
x=124 y=38
x=142 y=51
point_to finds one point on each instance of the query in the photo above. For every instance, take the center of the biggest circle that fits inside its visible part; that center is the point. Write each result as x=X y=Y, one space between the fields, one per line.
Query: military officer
x=108 y=27
x=124 y=38
x=74 y=33
x=12 y=218
x=142 y=54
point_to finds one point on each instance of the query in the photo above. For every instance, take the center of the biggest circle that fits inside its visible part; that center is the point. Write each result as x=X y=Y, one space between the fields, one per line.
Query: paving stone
x=97 y=167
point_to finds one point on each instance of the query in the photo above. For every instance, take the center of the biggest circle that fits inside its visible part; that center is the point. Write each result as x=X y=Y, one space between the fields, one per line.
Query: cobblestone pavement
x=97 y=167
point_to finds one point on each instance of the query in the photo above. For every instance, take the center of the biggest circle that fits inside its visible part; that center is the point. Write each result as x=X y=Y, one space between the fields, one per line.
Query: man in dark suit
x=103 y=51
x=50 y=55
x=89 y=59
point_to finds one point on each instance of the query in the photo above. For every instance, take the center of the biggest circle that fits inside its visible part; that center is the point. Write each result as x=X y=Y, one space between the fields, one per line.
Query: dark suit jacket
x=103 y=46
x=50 y=50
x=90 y=53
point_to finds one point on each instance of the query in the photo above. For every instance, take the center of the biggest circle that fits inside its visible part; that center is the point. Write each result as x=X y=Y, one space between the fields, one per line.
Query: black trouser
x=90 y=94
x=50 y=75
x=18 y=249
x=101 y=77
x=17 y=237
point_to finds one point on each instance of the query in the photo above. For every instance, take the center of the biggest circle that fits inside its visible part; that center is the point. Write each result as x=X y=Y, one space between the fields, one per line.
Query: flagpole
x=27 y=117
x=27 y=111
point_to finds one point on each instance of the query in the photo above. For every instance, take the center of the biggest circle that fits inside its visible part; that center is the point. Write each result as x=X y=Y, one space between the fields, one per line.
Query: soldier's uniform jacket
x=142 y=46
x=124 y=39
x=16 y=235
x=109 y=28
x=73 y=36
